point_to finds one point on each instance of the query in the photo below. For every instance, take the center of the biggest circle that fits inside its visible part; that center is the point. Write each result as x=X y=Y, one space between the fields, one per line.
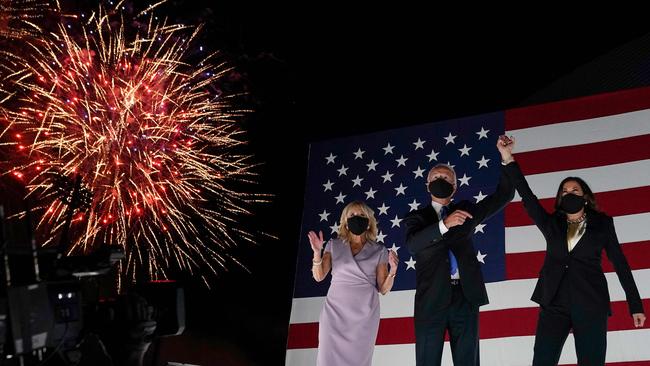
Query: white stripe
x=397 y=303
x=582 y=132
x=629 y=229
x=503 y=295
x=301 y=357
x=600 y=179
x=306 y=309
x=516 y=293
x=622 y=346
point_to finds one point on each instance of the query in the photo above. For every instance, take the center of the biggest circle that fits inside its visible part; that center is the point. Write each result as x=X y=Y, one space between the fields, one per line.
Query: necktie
x=453 y=263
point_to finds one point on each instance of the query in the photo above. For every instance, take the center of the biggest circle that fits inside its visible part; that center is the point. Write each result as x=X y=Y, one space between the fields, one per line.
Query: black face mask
x=440 y=188
x=572 y=203
x=358 y=224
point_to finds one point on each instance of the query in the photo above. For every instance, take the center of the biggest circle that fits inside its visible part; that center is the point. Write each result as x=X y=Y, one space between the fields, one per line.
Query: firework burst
x=19 y=18
x=145 y=130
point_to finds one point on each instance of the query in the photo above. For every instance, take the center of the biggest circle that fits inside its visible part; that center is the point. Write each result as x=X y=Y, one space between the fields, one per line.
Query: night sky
x=324 y=70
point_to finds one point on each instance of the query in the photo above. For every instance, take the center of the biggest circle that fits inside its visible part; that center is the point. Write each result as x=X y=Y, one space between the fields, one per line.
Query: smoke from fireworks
x=146 y=131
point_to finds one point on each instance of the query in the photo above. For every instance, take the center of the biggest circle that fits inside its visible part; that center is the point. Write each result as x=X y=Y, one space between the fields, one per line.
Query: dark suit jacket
x=582 y=265
x=430 y=248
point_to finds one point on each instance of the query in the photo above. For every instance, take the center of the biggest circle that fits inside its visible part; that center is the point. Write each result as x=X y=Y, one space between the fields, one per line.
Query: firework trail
x=145 y=130
x=19 y=18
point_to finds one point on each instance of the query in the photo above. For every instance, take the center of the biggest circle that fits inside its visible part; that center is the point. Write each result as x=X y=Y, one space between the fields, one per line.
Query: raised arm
x=493 y=203
x=504 y=192
x=321 y=263
x=386 y=275
x=534 y=209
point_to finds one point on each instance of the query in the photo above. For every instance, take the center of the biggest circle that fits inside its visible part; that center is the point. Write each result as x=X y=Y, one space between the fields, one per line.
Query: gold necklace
x=581 y=219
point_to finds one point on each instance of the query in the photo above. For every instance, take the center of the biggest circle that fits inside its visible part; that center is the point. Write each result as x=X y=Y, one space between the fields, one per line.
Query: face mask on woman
x=358 y=224
x=572 y=203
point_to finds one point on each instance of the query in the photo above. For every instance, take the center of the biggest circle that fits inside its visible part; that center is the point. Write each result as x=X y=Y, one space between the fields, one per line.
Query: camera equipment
x=63 y=310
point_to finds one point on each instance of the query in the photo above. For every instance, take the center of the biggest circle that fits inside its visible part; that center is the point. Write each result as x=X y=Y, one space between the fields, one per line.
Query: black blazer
x=582 y=265
x=430 y=248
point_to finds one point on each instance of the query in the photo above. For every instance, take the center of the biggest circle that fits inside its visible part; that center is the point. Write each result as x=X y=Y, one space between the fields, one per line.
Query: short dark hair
x=588 y=193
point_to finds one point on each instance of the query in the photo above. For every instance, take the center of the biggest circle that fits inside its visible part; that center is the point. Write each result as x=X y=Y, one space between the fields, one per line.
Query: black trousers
x=460 y=318
x=555 y=322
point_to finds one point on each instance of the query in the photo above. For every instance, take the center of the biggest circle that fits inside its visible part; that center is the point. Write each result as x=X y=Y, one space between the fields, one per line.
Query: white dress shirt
x=438 y=206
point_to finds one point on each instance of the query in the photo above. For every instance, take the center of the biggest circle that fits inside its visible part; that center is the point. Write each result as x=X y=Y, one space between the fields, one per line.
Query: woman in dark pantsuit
x=572 y=289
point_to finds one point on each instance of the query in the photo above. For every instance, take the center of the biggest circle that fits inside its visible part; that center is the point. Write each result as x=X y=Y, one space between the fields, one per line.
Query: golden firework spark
x=18 y=18
x=147 y=132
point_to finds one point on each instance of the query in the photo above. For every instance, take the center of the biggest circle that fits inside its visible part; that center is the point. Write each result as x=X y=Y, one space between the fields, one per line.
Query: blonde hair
x=370 y=234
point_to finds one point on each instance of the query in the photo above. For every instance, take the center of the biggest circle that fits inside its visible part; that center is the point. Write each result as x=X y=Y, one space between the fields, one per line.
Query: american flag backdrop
x=604 y=139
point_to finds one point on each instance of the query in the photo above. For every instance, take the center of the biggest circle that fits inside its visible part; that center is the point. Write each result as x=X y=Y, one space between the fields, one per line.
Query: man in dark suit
x=450 y=285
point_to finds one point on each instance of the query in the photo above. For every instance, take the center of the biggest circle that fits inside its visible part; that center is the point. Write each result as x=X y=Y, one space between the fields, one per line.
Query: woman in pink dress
x=360 y=269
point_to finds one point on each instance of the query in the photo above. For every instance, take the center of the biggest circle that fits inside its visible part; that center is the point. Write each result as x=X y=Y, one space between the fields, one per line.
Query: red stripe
x=614 y=203
x=636 y=254
x=396 y=331
x=578 y=109
x=523 y=321
x=515 y=213
x=401 y=330
x=527 y=265
x=303 y=335
x=524 y=265
x=586 y=155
